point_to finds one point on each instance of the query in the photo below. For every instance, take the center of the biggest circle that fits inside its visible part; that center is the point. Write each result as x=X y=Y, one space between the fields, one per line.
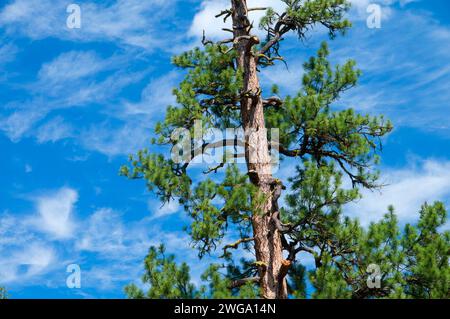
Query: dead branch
x=236 y=244
x=274 y=101
x=240 y=282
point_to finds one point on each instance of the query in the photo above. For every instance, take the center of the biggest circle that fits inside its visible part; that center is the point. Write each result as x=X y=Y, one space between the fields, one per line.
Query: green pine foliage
x=166 y=279
x=3 y=293
x=413 y=263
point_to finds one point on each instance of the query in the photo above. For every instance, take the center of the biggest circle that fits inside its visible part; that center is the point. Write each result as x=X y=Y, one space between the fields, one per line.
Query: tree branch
x=274 y=101
x=282 y=228
x=240 y=282
x=256 y=9
x=223 y=143
x=285 y=265
x=236 y=244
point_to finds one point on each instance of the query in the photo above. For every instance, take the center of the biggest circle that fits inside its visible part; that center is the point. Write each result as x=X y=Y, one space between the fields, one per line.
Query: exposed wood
x=285 y=265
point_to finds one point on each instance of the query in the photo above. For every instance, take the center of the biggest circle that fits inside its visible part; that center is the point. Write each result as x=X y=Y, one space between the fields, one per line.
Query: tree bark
x=267 y=238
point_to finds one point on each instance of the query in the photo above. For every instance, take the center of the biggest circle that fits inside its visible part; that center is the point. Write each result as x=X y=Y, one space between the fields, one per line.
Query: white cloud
x=106 y=233
x=112 y=140
x=136 y=120
x=407 y=189
x=167 y=209
x=55 y=212
x=26 y=256
x=123 y=245
x=70 y=66
x=23 y=257
x=31 y=261
x=8 y=53
x=287 y=78
x=103 y=233
x=12 y=232
x=54 y=130
x=361 y=5
x=406 y=79
x=205 y=18
x=155 y=97
x=19 y=122
x=128 y=22
x=73 y=79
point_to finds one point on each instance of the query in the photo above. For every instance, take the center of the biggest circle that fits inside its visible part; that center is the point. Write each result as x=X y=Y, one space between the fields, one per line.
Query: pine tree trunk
x=268 y=244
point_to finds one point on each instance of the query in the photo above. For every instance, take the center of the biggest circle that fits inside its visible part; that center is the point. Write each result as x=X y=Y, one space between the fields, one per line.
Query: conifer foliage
x=3 y=293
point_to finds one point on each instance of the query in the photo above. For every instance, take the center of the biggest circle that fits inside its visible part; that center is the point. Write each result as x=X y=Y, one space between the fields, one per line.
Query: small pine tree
x=3 y=293
x=165 y=278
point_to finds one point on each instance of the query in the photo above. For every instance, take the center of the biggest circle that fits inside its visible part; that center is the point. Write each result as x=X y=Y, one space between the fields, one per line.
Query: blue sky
x=75 y=102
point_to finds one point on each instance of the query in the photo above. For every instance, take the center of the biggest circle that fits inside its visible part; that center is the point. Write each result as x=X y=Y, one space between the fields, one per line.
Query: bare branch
x=215 y=168
x=283 y=150
x=222 y=143
x=240 y=282
x=204 y=40
x=225 y=13
x=256 y=9
x=282 y=228
x=251 y=38
x=274 y=101
x=236 y=244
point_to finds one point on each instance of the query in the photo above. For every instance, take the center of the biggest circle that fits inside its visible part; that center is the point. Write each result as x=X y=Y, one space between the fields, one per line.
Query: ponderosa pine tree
x=221 y=90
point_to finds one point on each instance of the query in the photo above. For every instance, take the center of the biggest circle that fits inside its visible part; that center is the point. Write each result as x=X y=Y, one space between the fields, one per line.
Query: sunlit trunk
x=267 y=238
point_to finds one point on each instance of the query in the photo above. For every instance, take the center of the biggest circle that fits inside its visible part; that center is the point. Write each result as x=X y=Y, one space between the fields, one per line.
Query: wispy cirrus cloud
x=26 y=263
x=155 y=97
x=41 y=243
x=407 y=189
x=55 y=213
x=71 y=66
x=54 y=130
x=115 y=139
x=134 y=121
x=405 y=79
x=8 y=53
x=128 y=22
x=73 y=79
x=27 y=242
x=160 y=210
